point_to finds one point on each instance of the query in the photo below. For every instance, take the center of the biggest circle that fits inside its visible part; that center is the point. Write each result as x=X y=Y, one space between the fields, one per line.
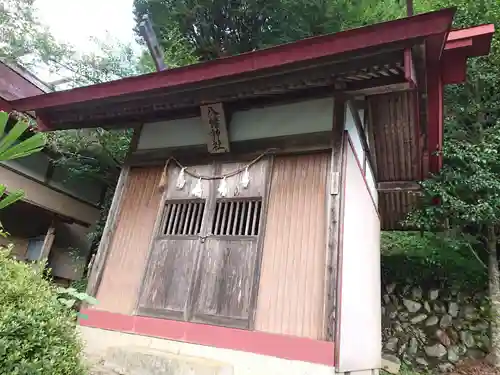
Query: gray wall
x=290 y=119
x=36 y=165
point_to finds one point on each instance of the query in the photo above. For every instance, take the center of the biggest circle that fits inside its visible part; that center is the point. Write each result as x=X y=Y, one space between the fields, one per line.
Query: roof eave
x=416 y=27
x=472 y=42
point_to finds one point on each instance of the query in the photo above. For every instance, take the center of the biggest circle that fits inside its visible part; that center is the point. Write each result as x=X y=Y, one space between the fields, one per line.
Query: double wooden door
x=204 y=261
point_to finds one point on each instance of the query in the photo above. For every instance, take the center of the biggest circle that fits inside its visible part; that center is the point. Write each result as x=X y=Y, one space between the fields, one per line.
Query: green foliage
x=12 y=146
x=15 y=143
x=80 y=285
x=212 y=28
x=467 y=188
x=208 y=29
x=72 y=298
x=429 y=259
x=407 y=370
x=22 y=35
x=69 y=296
x=90 y=153
x=38 y=333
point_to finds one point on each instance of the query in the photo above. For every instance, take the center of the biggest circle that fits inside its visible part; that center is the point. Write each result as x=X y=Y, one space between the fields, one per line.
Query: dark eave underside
x=347 y=75
x=323 y=61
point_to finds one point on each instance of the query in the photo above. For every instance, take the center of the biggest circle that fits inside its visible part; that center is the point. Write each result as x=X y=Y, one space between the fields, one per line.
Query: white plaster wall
x=290 y=119
x=99 y=343
x=174 y=133
x=359 y=347
x=295 y=118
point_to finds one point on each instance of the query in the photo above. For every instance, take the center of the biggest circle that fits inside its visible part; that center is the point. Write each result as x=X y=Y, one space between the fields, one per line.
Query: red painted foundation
x=286 y=347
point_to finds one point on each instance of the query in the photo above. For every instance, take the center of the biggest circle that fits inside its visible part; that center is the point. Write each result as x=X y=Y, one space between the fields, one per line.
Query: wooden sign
x=214 y=120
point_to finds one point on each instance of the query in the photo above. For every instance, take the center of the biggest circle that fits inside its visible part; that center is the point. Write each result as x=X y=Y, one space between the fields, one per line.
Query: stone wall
x=433 y=328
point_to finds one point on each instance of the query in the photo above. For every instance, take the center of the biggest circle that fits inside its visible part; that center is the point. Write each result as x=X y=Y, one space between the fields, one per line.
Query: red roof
x=434 y=24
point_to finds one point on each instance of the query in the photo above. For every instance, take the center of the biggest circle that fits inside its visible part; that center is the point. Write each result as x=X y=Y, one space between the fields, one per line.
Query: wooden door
x=204 y=260
x=227 y=275
x=169 y=273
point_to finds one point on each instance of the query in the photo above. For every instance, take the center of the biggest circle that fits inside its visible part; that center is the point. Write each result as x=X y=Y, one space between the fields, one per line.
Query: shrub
x=37 y=333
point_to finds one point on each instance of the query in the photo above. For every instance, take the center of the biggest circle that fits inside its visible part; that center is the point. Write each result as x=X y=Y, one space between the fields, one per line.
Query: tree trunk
x=494 y=291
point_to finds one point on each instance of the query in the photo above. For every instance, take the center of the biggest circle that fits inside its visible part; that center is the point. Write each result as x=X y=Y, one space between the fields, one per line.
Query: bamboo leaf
x=23 y=154
x=12 y=136
x=26 y=147
x=11 y=198
x=4 y=117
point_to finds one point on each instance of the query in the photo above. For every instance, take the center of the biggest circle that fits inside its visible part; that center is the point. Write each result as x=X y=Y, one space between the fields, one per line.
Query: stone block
x=144 y=361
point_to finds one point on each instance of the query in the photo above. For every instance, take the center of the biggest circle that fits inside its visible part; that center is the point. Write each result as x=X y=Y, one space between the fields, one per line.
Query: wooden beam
x=370 y=134
x=409 y=8
x=378 y=90
x=103 y=251
x=48 y=242
x=410 y=74
x=149 y=35
x=191 y=155
x=334 y=201
x=260 y=242
x=362 y=134
x=390 y=186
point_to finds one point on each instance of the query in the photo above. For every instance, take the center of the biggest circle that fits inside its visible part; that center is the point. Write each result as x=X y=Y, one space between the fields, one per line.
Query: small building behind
x=57 y=212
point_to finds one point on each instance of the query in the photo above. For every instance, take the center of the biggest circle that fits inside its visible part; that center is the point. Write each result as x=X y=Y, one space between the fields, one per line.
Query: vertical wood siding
x=291 y=288
x=129 y=246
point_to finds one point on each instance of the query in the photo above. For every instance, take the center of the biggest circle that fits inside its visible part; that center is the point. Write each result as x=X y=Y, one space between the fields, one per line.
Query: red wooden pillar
x=434 y=117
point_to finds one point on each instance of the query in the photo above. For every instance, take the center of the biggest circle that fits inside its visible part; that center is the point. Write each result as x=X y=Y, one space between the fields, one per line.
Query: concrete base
x=113 y=352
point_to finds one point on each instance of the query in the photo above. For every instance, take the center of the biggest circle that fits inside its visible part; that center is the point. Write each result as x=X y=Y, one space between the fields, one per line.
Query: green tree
x=464 y=198
x=208 y=29
x=21 y=35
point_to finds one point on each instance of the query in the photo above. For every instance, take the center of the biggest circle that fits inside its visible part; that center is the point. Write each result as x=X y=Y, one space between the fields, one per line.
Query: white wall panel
x=282 y=120
x=174 y=133
x=295 y=118
x=359 y=346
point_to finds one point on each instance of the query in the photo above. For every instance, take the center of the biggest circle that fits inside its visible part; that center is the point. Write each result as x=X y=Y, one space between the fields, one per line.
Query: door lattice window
x=237 y=217
x=183 y=218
